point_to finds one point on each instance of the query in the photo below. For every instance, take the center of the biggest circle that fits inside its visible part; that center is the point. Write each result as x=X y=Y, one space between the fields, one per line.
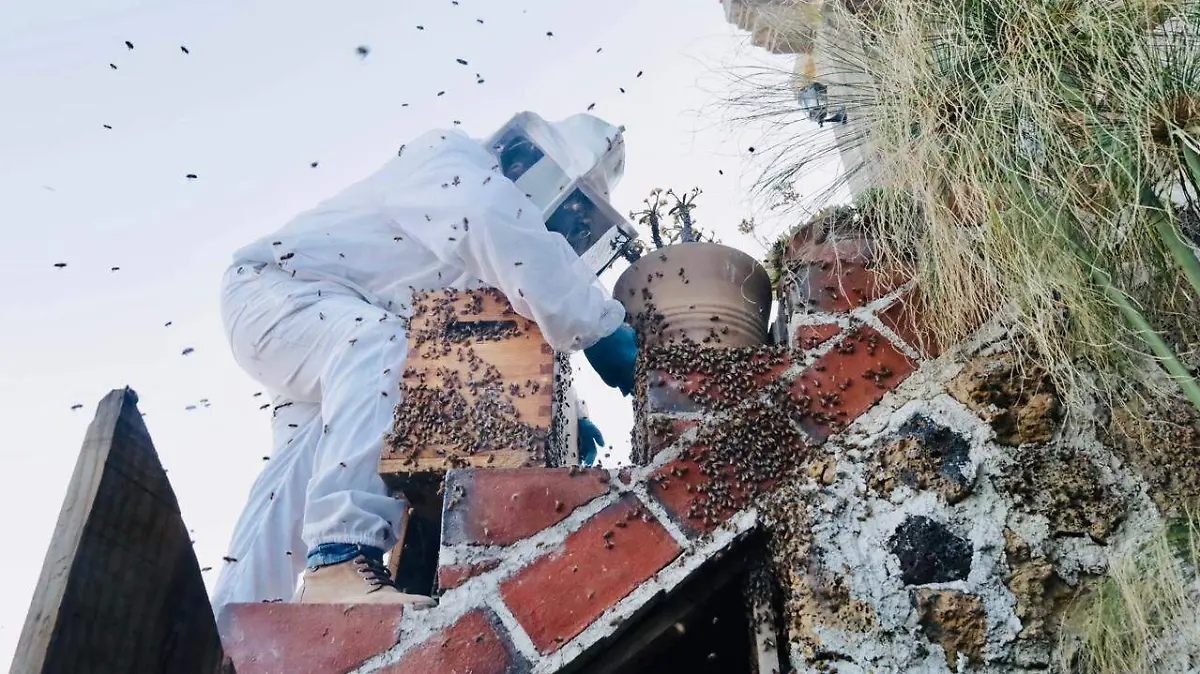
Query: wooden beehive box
x=481 y=388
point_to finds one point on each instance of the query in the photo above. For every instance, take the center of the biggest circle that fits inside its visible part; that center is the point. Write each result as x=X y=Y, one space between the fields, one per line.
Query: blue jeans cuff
x=336 y=553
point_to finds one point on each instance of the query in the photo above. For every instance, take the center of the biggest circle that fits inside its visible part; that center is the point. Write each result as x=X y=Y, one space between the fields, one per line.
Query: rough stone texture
x=1039 y=590
x=924 y=455
x=471 y=646
x=502 y=506
x=822 y=469
x=815 y=597
x=1019 y=402
x=954 y=620
x=1163 y=441
x=1064 y=486
x=929 y=552
x=560 y=594
x=270 y=638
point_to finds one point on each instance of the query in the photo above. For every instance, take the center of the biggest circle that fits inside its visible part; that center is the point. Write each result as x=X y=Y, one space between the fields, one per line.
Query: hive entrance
x=457 y=331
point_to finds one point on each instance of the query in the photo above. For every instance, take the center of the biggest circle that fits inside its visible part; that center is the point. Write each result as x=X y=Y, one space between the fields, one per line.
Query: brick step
x=276 y=638
x=306 y=638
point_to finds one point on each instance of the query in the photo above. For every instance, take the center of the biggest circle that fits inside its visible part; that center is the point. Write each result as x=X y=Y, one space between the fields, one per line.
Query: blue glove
x=614 y=358
x=589 y=441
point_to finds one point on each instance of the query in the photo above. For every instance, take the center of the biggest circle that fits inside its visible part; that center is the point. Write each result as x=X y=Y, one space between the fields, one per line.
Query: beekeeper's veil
x=568 y=168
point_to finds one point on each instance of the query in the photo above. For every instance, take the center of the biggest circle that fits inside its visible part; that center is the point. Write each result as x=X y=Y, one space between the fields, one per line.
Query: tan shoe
x=356 y=581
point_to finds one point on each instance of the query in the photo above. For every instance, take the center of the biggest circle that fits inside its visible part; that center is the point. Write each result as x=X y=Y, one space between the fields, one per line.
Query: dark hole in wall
x=703 y=626
x=418 y=561
x=716 y=639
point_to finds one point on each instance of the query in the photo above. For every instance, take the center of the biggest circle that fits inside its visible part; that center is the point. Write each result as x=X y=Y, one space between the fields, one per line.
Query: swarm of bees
x=440 y=415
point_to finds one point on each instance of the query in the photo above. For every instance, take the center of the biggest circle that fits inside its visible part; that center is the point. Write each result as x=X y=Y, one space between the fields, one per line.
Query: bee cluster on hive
x=456 y=403
x=556 y=446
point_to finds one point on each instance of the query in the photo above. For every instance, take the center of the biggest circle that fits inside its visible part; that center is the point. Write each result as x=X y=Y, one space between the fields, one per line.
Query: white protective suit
x=313 y=312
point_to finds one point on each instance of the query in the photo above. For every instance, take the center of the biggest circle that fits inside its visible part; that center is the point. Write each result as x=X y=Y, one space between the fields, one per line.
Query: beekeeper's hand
x=590 y=441
x=614 y=358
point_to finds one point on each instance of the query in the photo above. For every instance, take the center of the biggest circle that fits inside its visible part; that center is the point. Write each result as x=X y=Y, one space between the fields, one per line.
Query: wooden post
x=120 y=590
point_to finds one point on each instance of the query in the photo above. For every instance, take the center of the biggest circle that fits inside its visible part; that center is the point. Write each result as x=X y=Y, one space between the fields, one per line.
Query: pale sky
x=268 y=87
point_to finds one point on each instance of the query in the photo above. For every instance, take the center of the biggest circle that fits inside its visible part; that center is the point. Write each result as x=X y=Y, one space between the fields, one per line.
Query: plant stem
x=686 y=234
x=655 y=231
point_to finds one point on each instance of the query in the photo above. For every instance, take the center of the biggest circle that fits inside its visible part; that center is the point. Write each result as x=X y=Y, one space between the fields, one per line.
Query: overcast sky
x=267 y=88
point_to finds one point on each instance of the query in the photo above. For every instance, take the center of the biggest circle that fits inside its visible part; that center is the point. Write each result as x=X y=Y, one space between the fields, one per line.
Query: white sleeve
x=469 y=215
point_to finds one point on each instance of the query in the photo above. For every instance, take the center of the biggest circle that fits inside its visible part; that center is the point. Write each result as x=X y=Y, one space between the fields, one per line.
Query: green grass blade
x=1192 y=159
x=1180 y=251
x=1124 y=304
x=1170 y=362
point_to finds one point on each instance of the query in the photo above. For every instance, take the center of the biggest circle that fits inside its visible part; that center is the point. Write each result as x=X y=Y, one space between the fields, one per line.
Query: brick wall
x=903 y=535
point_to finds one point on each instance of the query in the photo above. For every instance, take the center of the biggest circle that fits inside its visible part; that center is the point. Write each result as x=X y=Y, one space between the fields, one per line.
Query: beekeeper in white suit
x=314 y=313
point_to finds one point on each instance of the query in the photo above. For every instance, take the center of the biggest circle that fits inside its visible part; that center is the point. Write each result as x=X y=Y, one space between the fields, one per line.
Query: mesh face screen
x=517 y=154
x=578 y=219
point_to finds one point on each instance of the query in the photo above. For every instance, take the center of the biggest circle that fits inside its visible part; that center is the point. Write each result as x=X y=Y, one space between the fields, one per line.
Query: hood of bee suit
x=583 y=145
x=592 y=148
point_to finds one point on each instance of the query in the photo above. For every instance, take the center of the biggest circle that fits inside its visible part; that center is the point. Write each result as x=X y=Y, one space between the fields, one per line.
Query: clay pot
x=706 y=293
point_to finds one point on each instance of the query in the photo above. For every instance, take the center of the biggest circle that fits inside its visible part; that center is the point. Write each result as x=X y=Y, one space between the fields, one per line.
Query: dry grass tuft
x=1143 y=613
x=1040 y=140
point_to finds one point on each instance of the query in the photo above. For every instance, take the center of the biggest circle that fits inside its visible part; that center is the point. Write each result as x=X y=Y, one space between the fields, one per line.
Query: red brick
x=849 y=380
x=450 y=577
x=560 y=594
x=805 y=248
x=906 y=318
x=473 y=645
x=839 y=287
x=834 y=277
x=808 y=337
x=306 y=638
x=681 y=484
x=500 y=506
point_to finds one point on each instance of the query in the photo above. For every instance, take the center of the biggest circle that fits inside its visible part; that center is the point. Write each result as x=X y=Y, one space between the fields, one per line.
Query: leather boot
x=356 y=581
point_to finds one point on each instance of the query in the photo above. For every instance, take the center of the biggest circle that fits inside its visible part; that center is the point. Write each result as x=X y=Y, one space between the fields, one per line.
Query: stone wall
x=927 y=508
x=949 y=526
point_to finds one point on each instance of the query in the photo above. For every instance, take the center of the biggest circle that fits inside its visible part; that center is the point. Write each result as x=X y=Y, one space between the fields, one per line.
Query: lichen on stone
x=1064 y=486
x=954 y=620
x=1017 y=399
x=924 y=455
